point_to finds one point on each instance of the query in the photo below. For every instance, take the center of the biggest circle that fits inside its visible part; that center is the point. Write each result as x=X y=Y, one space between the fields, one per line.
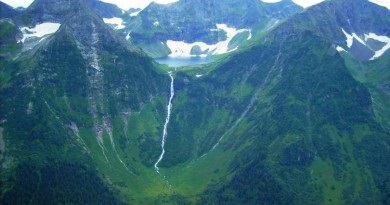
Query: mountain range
x=299 y=113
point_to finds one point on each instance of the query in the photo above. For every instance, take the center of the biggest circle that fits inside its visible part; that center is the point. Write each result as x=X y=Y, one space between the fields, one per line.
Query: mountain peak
x=59 y=11
x=7 y=11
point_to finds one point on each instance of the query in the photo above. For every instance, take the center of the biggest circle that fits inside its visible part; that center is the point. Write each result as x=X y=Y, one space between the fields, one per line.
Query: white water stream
x=165 y=133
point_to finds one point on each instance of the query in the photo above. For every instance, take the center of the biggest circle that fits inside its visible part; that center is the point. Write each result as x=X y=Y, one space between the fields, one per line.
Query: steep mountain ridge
x=346 y=24
x=65 y=110
x=57 y=11
x=7 y=11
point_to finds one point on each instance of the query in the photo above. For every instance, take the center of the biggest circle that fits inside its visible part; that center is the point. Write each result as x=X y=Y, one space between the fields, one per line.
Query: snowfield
x=39 y=30
x=378 y=53
x=135 y=13
x=349 y=38
x=183 y=49
x=383 y=39
x=118 y=22
x=340 y=49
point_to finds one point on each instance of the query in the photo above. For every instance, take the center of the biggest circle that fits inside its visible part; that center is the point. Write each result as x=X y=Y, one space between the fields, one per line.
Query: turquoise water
x=183 y=61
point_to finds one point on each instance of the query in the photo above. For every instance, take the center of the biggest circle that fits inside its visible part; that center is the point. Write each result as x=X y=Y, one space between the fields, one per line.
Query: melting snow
x=115 y=21
x=383 y=39
x=135 y=13
x=349 y=39
x=39 y=30
x=378 y=53
x=340 y=49
x=250 y=35
x=182 y=49
x=358 y=38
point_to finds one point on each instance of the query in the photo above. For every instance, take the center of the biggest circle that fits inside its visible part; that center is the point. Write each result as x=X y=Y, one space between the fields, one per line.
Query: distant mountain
x=300 y=115
x=7 y=11
x=359 y=27
x=57 y=11
x=196 y=21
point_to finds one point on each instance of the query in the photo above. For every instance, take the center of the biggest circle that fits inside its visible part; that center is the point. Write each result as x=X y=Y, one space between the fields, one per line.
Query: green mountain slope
x=305 y=124
x=63 y=114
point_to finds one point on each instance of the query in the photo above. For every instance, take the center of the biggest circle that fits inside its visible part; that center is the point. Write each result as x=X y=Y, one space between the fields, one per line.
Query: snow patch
x=349 y=38
x=340 y=49
x=115 y=21
x=128 y=36
x=156 y=23
x=272 y=24
x=383 y=3
x=183 y=49
x=355 y=36
x=198 y=75
x=29 y=108
x=378 y=53
x=352 y=36
x=383 y=39
x=39 y=30
x=250 y=35
x=135 y=13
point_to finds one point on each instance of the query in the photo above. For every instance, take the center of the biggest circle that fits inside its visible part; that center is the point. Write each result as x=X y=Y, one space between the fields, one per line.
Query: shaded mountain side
x=376 y=76
x=51 y=11
x=46 y=185
x=7 y=11
x=39 y=147
x=9 y=33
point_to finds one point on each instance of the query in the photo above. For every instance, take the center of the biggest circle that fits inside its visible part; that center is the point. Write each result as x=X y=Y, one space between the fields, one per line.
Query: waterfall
x=165 y=133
